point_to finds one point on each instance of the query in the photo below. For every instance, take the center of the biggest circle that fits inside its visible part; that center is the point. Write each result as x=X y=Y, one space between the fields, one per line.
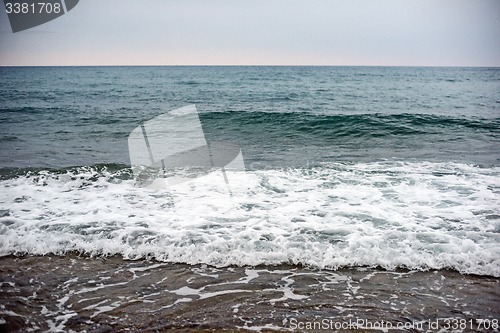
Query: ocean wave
x=347 y=125
x=107 y=170
x=417 y=215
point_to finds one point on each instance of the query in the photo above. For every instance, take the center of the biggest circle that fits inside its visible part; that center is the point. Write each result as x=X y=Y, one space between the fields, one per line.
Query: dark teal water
x=77 y=116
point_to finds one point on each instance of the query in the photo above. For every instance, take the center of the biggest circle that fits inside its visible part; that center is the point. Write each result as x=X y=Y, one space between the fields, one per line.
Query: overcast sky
x=262 y=32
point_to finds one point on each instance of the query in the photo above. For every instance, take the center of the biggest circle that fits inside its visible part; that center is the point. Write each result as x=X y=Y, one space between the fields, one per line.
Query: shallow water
x=73 y=293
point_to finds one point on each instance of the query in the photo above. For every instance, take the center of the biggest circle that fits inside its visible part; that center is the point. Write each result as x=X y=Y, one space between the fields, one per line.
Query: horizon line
x=260 y=65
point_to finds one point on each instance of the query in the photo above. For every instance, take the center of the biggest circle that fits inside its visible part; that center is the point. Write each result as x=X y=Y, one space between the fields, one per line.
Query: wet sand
x=83 y=294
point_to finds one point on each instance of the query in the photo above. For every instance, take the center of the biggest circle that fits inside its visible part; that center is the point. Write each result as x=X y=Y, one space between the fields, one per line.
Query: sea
x=369 y=200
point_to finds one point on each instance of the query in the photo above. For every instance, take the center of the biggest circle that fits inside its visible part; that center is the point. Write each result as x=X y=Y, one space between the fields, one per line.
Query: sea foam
x=417 y=215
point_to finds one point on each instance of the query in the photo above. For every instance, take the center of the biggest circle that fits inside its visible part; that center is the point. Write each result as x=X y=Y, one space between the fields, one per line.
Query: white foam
x=420 y=215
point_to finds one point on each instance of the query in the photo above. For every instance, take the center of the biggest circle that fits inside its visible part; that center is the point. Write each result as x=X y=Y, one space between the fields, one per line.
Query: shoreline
x=81 y=293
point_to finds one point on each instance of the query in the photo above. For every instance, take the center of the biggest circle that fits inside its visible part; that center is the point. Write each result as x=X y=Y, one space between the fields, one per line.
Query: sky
x=261 y=32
